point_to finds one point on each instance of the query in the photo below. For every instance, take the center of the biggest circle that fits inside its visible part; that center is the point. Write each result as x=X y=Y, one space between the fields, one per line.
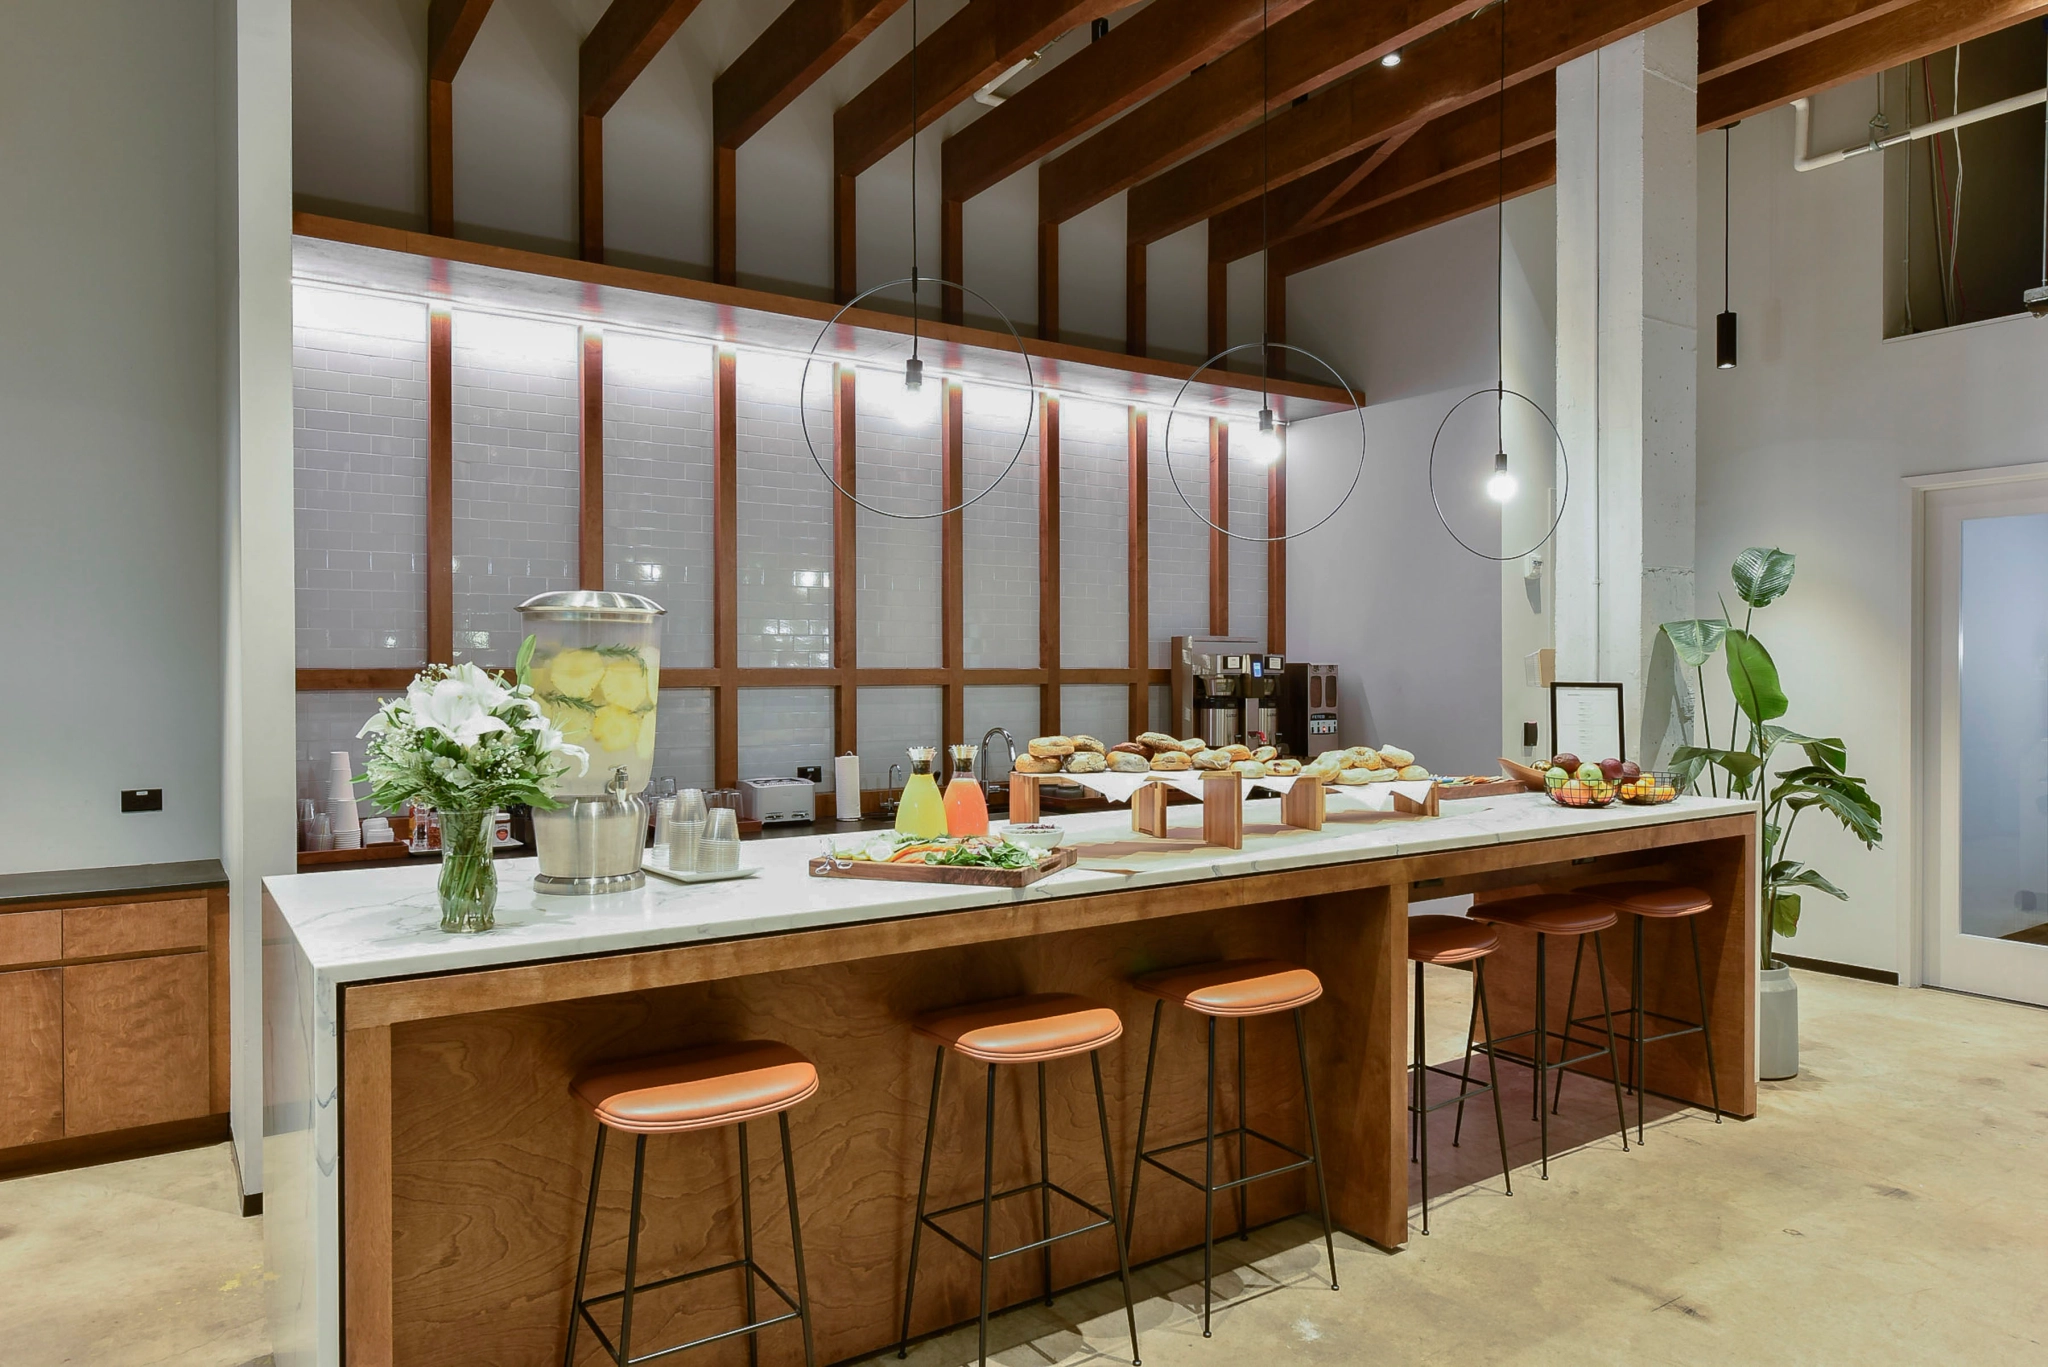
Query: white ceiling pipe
x=1802 y=118
x=987 y=94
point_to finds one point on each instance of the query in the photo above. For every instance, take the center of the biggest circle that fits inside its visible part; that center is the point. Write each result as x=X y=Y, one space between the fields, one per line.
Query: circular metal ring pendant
x=1564 y=488
x=1357 y=472
x=804 y=414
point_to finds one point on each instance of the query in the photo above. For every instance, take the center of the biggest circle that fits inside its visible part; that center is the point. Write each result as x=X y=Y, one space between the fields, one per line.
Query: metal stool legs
x=1208 y=1185
x=1110 y=1219
x=1419 y=1105
x=1639 y=1017
x=622 y=1353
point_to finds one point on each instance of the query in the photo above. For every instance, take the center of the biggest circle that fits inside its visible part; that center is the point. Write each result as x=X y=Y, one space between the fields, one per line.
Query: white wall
x=110 y=528
x=1804 y=445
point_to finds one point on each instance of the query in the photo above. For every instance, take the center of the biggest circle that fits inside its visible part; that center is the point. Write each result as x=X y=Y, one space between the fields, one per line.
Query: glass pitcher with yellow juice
x=966 y=808
x=920 y=811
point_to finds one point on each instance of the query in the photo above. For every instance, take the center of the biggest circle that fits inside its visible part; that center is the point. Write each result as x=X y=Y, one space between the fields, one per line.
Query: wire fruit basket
x=1653 y=788
x=1578 y=792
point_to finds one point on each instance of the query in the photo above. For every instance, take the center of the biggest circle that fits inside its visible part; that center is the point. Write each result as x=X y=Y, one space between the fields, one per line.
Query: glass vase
x=469 y=878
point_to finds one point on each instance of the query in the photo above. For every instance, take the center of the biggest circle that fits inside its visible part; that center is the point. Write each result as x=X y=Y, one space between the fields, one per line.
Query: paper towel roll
x=846 y=787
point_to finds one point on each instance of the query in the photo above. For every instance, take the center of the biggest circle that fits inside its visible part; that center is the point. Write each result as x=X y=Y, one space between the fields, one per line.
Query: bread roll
x=1086 y=762
x=1396 y=756
x=1380 y=775
x=1032 y=764
x=1413 y=773
x=1213 y=759
x=1157 y=740
x=1353 y=777
x=1194 y=745
x=1088 y=745
x=1130 y=747
x=1248 y=768
x=1368 y=760
x=1050 y=747
x=1281 y=768
x=1125 y=762
x=1266 y=754
x=1171 y=761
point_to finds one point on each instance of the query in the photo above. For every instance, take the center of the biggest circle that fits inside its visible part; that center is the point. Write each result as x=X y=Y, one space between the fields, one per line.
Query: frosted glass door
x=1988 y=601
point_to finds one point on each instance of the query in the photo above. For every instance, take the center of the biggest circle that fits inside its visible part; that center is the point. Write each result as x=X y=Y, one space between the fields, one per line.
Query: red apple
x=1611 y=768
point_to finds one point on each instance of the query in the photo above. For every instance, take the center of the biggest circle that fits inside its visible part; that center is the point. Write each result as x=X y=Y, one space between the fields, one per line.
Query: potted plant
x=1822 y=784
x=466 y=743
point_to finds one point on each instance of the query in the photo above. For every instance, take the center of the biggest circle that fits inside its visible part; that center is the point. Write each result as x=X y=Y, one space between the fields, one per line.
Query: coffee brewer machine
x=1225 y=690
x=1308 y=710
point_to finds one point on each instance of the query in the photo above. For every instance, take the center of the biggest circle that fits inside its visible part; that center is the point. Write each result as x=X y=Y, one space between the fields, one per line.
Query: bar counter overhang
x=428 y=1167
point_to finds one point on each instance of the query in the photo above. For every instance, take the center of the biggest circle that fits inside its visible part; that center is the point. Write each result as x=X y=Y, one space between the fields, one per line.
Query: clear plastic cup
x=664 y=818
x=719 y=850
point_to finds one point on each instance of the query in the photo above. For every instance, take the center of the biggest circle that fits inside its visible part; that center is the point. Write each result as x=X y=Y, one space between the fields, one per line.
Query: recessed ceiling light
x=1391 y=59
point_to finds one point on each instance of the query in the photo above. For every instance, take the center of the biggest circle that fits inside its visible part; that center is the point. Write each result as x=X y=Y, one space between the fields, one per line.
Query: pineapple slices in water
x=577 y=672
x=625 y=683
x=615 y=729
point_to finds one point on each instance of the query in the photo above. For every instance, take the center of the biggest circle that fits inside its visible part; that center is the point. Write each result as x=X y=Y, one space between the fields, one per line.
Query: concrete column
x=1627 y=229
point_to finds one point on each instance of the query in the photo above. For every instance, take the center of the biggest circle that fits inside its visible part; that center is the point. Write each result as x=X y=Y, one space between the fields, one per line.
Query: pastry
x=1087 y=745
x=1125 y=762
x=1368 y=759
x=1281 y=768
x=1325 y=767
x=1413 y=773
x=1157 y=740
x=1050 y=747
x=1380 y=775
x=1130 y=747
x=1171 y=761
x=1194 y=745
x=1213 y=759
x=1086 y=762
x=1032 y=764
x=1352 y=777
x=1396 y=756
x=1237 y=752
x=1266 y=754
x=1249 y=768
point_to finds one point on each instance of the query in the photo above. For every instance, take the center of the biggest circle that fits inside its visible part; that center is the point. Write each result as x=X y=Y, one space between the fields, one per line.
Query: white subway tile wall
x=329 y=722
x=657 y=485
x=1247 y=558
x=897 y=468
x=1013 y=707
x=785 y=514
x=1178 y=541
x=683 y=732
x=891 y=721
x=514 y=408
x=359 y=452
x=1098 y=710
x=781 y=728
x=1095 y=621
x=1000 y=532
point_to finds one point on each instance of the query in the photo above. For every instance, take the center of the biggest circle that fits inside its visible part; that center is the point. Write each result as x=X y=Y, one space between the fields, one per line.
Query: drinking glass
x=664 y=819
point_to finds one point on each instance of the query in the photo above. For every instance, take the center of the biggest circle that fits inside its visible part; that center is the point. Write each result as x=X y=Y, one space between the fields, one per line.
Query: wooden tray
x=824 y=866
x=1500 y=787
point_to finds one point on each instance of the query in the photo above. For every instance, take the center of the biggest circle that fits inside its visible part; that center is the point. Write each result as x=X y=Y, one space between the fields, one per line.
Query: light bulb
x=1501 y=486
x=1265 y=443
x=1392 y=58
x=913 y=401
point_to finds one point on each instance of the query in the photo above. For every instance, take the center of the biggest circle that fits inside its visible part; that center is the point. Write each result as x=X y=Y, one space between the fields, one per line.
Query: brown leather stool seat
x=1035 y=1030
x=1234 y=987
x=1031 y=1029
x=1646 y=897
x=1231 y=989
x=697 y=1089
x=1548 y=913
x=709 y=1087
x=1445 y=940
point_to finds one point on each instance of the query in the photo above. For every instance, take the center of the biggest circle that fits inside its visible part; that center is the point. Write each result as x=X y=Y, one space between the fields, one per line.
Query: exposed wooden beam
x=1862 y=50
x=1219 y=516
x=1048 y=282
x=451 y=27
x=1440 y=203
x=1134 y=61
x=1134 y=299
x=1450 y=69
x=1735 y=33
x=619 y=47
x=799 y=45
x=590 y=187
x=725 y=215
x=1368 y=162
x=1309 y=48
x=1441 y=148
x=979 y=43
x=952 y=259
x=845 y=272
x=1216 y=333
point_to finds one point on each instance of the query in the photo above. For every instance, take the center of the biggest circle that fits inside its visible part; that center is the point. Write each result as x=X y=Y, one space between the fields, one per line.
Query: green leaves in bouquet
x=523 y=666
x=1762 y=574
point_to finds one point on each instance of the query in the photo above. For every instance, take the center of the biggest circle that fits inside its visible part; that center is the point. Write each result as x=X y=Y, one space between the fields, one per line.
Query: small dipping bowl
x=1034 y=835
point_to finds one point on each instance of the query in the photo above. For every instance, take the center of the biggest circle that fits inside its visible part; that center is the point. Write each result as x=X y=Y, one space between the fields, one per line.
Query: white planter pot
x=1777 y=1024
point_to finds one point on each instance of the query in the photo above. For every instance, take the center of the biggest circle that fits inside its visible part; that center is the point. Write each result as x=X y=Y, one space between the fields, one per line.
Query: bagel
x=1157 y=740
x=1413 y=773
x=1396 y=756
x=1249 y=768
x=1086 y=762
x=1212 y=759
x=1088 y=745
x=1125 y=762
x=1282 y=768
x=1266 y=754
x=1050 y=747
x=1171 y=761
x=1032 y=764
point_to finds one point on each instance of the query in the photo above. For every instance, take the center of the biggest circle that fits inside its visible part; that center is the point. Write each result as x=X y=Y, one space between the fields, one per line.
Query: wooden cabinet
x=113 y=1026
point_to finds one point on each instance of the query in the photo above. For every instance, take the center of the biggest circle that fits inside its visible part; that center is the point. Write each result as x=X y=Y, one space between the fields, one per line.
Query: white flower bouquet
x=466 y=743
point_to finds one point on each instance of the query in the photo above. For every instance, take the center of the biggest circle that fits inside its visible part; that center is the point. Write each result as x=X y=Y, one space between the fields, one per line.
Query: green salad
x=974 y=851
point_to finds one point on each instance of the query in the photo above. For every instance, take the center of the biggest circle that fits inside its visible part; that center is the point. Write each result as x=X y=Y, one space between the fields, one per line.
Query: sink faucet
x=981 y=760
x=893 y=800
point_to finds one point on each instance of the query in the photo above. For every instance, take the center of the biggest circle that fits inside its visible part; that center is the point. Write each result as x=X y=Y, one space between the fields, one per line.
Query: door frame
x=1922 y=723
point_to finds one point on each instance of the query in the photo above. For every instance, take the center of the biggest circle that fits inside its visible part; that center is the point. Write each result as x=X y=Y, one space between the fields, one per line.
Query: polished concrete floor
x=1890 y=1206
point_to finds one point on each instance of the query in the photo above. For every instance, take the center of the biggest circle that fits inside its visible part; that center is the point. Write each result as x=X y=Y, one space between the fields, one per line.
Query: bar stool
x=1647 y=899
x=1448 y=940
x=1035 y=1029
x=1548 y=914
x=697 y=1089
x=1237 y=988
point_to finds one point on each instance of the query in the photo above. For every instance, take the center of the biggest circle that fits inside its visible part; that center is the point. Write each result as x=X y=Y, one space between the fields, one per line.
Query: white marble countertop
x=359 y=925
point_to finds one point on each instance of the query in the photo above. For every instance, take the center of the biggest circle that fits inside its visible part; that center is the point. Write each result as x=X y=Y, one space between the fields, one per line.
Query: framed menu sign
x=1586 y=720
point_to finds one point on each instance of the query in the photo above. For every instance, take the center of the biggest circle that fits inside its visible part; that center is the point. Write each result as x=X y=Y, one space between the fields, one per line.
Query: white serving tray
x=661 y=871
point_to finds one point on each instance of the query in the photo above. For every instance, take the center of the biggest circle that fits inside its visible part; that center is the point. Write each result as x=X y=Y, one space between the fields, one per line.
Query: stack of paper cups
x=341 y=803
x=846 y=787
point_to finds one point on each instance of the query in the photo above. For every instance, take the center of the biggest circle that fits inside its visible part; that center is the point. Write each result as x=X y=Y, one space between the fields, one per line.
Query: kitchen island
x=428 y=1167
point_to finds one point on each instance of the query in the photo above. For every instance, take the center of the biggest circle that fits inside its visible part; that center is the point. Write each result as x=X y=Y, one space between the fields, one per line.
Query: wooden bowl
x=1532 y=779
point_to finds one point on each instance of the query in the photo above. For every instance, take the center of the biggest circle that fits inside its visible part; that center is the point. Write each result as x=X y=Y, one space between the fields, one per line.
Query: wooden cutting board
x=824 y=866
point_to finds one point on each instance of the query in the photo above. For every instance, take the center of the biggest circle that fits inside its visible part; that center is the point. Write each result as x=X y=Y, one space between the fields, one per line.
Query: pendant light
x=1501 y=485
x=1724 y=326
x=910 y=399
x=1267 y=444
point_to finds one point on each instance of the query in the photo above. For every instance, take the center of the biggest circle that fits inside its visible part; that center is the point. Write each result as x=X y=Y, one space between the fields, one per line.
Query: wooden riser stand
x=1302 y=806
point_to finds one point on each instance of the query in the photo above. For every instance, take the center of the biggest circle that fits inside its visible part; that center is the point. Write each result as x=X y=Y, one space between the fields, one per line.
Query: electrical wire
x=1727 y=199
x=1955 y=217
x=1265 y=195
x=1500 y=243
x=914 y=338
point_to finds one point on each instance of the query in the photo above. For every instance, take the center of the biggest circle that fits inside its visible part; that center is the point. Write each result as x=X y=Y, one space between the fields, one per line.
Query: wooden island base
x=466 y=1162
